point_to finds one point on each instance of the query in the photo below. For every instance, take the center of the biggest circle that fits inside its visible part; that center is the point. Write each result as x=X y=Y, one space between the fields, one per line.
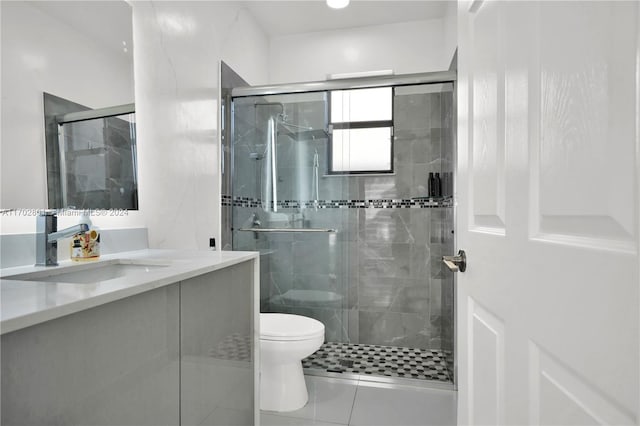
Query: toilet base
x=282 y=387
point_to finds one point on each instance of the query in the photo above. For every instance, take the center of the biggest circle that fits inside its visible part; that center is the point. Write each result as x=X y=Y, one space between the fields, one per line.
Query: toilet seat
x=288 y=327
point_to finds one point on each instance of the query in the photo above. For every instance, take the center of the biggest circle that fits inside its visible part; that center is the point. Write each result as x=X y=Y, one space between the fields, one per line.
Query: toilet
x=285 y=340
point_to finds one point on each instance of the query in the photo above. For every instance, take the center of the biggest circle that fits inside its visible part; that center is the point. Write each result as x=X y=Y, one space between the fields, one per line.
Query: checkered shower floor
x=389 y=361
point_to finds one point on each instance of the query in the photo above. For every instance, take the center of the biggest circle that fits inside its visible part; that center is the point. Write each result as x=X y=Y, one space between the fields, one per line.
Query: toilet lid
x=289 y=327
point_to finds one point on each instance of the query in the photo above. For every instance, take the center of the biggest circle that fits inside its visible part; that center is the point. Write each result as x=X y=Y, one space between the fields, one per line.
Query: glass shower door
x=355 y=246
x=278 y=188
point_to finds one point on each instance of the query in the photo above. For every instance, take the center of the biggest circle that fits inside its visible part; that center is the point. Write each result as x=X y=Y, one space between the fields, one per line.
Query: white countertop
x=26 y=303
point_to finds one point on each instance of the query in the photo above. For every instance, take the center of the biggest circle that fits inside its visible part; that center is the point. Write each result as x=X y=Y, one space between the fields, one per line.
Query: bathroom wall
x=178 y=49
x=450 y=30
x=178 y=46
x=409 y=47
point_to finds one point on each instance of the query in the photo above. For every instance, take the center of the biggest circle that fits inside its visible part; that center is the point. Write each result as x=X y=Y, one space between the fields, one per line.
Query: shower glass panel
x=360 y=252
x=279 y=163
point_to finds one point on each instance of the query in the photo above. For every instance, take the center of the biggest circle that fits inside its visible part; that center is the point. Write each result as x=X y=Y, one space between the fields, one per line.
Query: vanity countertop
x=27 y=303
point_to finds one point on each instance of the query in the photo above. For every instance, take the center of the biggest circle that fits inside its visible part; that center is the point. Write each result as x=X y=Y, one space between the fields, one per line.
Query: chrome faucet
x=47 y=236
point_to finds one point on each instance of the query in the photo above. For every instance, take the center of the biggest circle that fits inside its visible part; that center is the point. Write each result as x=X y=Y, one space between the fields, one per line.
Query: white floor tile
x=274 y=420
x=228 y=417
x=403 y=406
x=330 y=400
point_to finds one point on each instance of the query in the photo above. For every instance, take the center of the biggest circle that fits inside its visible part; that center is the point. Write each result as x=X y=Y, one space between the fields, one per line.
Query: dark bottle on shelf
x=438 y=186
x=432 y=185
x=445 y=185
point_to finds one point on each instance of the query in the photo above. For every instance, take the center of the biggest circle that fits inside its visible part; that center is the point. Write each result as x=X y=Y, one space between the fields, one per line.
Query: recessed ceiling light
x=337 y=4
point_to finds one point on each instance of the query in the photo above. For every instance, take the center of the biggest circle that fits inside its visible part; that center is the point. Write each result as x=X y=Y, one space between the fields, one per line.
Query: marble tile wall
x=378 y=280
x=179 y=46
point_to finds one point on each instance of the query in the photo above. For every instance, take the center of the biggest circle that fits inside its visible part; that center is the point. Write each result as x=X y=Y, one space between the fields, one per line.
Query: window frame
x=346 y=125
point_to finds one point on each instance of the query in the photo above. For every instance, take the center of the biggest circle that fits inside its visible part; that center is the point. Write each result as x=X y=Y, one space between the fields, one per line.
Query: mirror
x=91 y=155
x=79 y=53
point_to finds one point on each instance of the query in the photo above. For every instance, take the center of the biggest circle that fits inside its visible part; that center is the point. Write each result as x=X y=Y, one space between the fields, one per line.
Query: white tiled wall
x=409 y=47
x=178 y=48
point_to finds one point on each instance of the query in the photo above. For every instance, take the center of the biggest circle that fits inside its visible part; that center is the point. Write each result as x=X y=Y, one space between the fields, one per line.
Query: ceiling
x=109 y=22
x=302 y=16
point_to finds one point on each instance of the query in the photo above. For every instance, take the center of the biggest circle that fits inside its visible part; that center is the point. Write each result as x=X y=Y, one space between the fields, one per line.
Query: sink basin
x=94 y=272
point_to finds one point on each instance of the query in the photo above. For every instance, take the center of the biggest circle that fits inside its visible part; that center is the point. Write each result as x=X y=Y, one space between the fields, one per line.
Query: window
x=362 y=131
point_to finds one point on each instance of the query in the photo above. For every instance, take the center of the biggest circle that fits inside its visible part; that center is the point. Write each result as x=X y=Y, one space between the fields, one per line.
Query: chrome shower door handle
x=456 y=263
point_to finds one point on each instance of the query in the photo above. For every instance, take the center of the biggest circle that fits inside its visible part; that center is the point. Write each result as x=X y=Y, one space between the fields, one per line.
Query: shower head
x=294 y=131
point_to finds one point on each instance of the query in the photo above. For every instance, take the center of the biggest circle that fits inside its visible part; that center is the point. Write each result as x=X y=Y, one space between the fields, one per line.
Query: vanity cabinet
x=178 y=354
x=216 y=346
x=115 y=364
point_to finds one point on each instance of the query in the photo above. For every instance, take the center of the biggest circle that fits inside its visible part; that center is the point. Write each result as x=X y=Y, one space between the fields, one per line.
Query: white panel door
x=548 y=212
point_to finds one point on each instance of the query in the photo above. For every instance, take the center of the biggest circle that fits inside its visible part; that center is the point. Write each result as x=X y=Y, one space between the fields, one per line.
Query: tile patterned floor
x=389 y=361
x=236 y=347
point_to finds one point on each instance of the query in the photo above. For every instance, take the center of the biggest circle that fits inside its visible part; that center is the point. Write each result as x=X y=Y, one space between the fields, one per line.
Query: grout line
x=353 y=405
x=275 y=414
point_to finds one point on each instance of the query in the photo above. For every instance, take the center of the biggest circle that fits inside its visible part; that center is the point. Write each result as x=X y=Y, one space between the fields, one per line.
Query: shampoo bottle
x=432 y=185
x=438 y=186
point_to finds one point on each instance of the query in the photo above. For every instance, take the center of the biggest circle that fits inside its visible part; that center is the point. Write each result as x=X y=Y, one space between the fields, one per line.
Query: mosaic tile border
x=404 y=203
x=385 y=361
x=226 y=200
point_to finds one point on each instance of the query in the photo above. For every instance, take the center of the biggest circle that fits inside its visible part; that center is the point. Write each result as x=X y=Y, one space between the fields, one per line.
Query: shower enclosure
x=345 y=188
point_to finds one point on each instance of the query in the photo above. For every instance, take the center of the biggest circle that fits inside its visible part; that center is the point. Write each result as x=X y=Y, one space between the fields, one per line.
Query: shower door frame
x=346 y=84
x=437 y=77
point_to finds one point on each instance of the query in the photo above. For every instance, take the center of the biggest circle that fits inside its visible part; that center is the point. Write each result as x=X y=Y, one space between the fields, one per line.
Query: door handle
x=456 y=263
